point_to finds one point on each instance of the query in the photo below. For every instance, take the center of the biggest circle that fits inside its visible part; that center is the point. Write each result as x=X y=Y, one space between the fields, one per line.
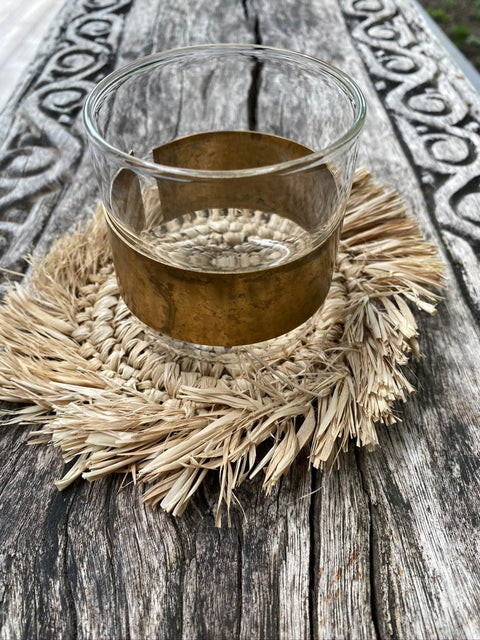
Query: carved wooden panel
x=43 y=145
x=435 y=120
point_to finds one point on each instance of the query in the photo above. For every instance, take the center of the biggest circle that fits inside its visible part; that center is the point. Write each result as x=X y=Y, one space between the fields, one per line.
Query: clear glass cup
x=224 y=173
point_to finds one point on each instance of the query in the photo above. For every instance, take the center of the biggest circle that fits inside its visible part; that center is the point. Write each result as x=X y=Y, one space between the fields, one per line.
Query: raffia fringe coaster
x=115 y=397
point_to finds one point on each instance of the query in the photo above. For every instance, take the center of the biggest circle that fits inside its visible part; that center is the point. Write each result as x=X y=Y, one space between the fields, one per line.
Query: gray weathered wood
x=387 y=546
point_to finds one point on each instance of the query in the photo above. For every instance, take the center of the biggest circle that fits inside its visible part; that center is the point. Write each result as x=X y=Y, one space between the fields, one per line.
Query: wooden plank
x=191 y=581
x=340 y=564
x=275 y=545
x=417 y=581
x=423 y=480
x=35 y=592
x=423 y=486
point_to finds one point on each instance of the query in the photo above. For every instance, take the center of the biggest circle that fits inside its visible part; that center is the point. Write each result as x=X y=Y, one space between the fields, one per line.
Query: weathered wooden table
x=386 y=547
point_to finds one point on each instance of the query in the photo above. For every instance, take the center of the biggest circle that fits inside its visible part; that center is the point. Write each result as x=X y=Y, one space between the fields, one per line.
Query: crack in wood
x=256 y=74
x=375 y=606
x=313 y=560
x=69 y=596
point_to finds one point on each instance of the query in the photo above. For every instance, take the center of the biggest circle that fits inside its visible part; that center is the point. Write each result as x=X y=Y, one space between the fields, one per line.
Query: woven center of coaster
x=227 y=240
x=117 y=397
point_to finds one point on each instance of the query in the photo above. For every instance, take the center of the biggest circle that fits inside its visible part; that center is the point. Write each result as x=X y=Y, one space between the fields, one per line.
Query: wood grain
x=385 y=547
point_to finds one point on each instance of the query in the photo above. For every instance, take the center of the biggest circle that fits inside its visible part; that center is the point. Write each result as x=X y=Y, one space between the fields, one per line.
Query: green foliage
x=453 y=16
x=476 y=9
x=438 y=15
x=459 y=33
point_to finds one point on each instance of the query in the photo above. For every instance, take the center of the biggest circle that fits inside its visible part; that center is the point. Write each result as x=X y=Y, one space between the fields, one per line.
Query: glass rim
x=349 y=86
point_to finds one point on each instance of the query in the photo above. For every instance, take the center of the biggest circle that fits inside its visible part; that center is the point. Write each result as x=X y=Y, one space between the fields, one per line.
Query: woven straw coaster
x=116 y=397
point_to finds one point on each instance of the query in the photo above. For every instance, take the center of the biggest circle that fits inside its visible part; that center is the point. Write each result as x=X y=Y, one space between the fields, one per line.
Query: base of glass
x=278 y=348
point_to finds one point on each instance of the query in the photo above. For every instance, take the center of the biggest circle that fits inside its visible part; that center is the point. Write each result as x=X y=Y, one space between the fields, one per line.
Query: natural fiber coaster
x=116 y=397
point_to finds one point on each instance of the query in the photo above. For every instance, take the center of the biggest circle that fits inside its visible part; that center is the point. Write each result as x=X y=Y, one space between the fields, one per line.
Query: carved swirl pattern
x=433 y=120
x=44 y=144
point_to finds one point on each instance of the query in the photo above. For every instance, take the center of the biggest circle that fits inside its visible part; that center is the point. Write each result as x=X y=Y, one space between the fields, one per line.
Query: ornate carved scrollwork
x=434 y=122
x=44 y=144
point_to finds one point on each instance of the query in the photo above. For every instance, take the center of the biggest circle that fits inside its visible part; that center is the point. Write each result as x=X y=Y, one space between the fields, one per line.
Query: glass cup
x=224 y=173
